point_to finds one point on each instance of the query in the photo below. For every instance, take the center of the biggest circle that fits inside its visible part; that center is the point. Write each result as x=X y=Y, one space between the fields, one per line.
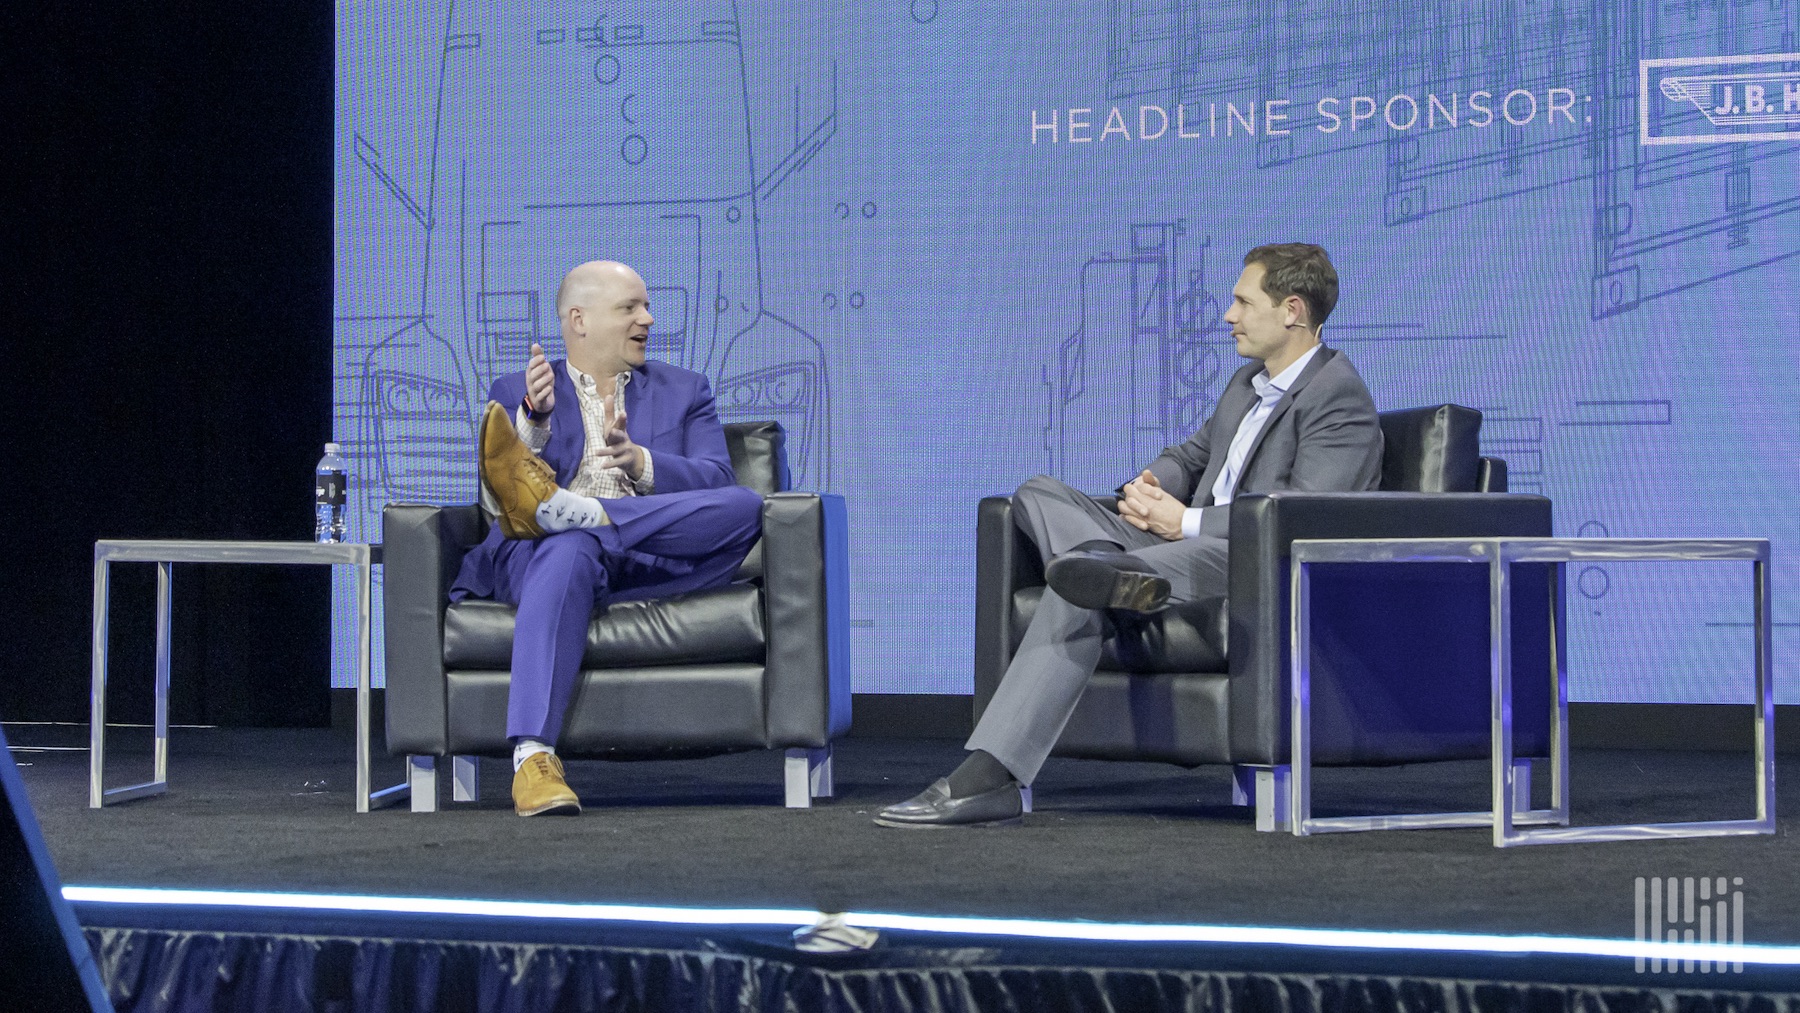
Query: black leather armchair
x=761 y=663
x=1400 y=650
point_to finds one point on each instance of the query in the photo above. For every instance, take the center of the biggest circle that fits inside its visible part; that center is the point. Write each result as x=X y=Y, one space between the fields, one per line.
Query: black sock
x=979 y=773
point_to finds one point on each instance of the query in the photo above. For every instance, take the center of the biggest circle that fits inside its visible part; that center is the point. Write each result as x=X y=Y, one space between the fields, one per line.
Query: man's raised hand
x=620 y=452
x=540 y=382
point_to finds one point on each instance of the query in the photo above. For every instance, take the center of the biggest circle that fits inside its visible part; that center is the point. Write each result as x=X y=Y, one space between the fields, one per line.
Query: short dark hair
x=1300 y=269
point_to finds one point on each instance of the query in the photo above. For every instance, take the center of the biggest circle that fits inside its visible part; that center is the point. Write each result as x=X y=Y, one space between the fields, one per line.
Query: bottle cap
x=331 y=448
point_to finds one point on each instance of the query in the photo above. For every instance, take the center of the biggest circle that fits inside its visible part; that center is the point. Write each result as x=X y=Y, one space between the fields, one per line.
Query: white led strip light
x=1363 y=939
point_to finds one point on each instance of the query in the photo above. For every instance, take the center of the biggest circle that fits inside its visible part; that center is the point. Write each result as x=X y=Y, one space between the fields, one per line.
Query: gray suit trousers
x=1063 y=643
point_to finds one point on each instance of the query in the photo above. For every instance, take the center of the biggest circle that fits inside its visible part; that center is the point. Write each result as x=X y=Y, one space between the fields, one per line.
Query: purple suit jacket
x=668 y=411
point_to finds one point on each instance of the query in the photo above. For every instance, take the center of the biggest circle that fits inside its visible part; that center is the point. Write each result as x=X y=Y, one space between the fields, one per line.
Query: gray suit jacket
x=1322 y=436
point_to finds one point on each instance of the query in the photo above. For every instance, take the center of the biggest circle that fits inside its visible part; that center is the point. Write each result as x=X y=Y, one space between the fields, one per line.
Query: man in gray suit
x=1296 y=417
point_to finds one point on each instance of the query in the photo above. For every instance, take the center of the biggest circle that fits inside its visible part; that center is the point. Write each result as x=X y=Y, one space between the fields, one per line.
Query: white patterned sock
x=566 y=511
x=524 y=747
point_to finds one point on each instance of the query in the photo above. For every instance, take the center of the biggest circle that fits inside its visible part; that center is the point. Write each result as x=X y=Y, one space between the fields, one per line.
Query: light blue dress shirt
x=1269 y=392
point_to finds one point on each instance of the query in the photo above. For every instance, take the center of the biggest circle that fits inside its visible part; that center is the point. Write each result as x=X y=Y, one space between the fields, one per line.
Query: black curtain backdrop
x=167 y=319
x=173 y=971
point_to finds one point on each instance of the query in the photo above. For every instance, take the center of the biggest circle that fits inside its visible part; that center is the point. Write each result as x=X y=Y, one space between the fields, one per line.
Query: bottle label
x=330 y=489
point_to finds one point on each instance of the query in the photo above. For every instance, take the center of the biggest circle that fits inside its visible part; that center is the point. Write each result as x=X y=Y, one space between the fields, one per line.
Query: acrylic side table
x=1510 y=811
x=166 y=553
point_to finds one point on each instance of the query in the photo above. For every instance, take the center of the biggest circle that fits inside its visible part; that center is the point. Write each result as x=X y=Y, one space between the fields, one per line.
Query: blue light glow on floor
x=1440 y=942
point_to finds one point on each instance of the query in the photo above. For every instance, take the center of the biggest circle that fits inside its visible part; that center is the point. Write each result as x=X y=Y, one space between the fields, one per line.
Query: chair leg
x=806 y=775
x=1243 y=785
x=1521 y=784
x=821 y=781
x=1025 y=796
x=1267 y=788
x=421 y=777
x=465 y=774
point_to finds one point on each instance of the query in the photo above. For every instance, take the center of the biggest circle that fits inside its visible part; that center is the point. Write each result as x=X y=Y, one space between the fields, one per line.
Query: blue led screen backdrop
x=950 y=245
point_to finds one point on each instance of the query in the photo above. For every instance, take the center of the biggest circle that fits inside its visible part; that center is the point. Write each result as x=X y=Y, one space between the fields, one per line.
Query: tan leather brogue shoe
x=539 y=788
x=518 y=478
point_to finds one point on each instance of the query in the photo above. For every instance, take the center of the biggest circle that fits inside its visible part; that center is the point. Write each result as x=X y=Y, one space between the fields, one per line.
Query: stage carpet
x=1109 y=843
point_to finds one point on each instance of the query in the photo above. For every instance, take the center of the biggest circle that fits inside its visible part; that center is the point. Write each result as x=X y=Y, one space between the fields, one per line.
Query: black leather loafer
x=934 y=807
x=1107 y=580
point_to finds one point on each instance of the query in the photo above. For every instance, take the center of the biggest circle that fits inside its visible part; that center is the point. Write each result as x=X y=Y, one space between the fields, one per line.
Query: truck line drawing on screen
x=549 y=136
x=1565 y=107
x=1663 y=215
x=1136 y=374
x=556 y=141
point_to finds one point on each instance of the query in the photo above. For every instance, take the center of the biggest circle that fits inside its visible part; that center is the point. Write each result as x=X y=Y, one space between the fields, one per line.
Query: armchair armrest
x=806 y=591
x=1264 y=527
x=422 y=546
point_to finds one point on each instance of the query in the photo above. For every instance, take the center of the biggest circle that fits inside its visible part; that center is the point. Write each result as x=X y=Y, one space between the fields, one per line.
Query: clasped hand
x=1147 y=507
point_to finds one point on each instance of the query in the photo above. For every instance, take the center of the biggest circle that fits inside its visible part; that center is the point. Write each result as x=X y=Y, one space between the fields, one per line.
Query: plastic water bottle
x=330 y=484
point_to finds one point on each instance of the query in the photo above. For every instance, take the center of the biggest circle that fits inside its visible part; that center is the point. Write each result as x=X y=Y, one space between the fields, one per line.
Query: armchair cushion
x=759 y=459
x=694 y=710
x=1431 y=449
x=723 y=624
x=759 y=455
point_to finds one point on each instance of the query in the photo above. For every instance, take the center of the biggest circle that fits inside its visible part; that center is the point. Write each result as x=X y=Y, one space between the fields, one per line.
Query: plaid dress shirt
x=592 y=478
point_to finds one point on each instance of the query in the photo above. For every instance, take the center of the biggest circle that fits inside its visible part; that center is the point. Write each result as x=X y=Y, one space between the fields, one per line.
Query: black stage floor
x=271 y=810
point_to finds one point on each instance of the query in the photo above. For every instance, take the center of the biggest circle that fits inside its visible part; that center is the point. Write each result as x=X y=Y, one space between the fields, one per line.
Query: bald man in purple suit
x=608 y=478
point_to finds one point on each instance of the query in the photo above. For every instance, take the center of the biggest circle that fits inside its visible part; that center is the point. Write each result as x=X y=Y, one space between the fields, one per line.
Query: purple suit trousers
x=656 y=546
